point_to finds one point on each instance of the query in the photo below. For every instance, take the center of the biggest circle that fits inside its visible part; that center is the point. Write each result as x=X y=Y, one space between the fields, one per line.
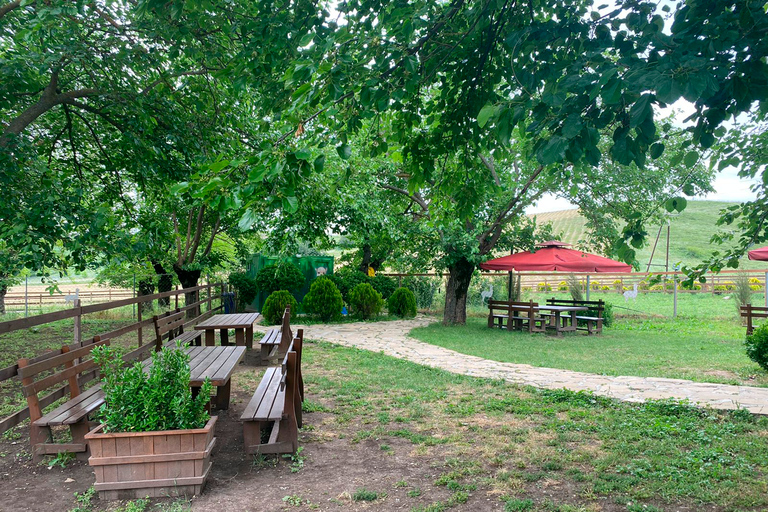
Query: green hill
x=690 y=232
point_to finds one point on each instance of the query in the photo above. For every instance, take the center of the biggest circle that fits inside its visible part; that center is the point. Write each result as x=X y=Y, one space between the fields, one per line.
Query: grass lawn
x=488 y=439
x=705 y=342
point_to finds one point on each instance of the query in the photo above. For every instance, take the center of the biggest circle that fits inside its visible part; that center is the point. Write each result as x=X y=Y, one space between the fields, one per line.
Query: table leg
x=239 y=337
x=224 y=337
x=249 y=338
x=210 y=337
x=222 y=396
x=558 y=324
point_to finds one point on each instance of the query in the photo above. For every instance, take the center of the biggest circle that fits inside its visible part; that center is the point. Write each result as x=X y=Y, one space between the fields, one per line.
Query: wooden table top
x=231 y=321
x=216 y=363
x=563 y=308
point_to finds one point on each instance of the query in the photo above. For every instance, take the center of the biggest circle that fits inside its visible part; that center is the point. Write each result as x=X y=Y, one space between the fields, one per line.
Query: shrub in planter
x=365 y=301
x=275 y=305
x=323 y=300
x=757 y=346
x=146 y=415
x=402 y=303
x=246 y=288
x=281 y=276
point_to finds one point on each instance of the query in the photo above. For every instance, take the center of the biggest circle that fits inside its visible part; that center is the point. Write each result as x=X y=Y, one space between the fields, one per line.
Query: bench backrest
x=594 y=305
x=286 y=336
x=291 y=379
x=749 y=312
x=37 y=377
x=509 y=306
x=170 y=323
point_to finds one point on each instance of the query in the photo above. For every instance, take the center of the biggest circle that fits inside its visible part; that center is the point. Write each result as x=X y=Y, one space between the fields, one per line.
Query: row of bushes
x=325 y=302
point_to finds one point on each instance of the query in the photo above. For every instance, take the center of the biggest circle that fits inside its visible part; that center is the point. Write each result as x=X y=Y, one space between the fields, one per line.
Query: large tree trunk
x=3 y=290
x=164 y=283
x=366 y=258
x=460 y=274
x=188 y=279
x=146 y=287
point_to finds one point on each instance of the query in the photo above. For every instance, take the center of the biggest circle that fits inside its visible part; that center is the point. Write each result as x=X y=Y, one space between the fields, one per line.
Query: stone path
x=391 y=338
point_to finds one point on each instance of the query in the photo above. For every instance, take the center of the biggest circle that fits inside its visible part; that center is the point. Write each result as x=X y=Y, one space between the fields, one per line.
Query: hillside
x=690 y=232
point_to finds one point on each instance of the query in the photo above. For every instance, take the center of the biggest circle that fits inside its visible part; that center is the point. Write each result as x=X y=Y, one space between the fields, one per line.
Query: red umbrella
x=760 y=254
x=555 y=256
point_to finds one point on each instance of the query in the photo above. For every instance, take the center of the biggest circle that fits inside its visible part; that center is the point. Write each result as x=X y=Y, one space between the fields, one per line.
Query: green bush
x=246 y=288
x=366 y=302
x=275 y=305
x=281 y=276
x=346 y=279
x=757 y=346
x=323 y=300
x=385 y=285
x=608 y=314
x=135 y=401
x=402 y=303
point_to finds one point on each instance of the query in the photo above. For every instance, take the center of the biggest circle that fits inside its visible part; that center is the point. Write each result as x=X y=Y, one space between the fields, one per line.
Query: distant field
x=690 y=232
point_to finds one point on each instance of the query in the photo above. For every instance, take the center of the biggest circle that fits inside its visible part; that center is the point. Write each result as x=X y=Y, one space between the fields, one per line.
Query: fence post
x=26 y=296
x=177 y=296
x=141 y=329
x=208 y=290
x=134 y=295
x=78 y=324
x=674 y=291
x=765 y=287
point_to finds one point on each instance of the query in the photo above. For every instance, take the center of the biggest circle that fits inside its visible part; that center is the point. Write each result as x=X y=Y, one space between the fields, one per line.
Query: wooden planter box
x=134 y=465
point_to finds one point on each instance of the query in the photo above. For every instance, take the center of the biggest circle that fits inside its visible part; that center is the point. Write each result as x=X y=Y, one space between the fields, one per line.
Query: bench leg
x=288 y=435
x=240 y=337
x=249 y=338
x=78 y=431
x=210 y=337
x=252 y=436
x=39 y=436
x=222 y=395
x=224 y=337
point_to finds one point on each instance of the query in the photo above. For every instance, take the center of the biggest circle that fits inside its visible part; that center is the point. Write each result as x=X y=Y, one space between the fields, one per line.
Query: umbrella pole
x=588 y=286
x=509 y=287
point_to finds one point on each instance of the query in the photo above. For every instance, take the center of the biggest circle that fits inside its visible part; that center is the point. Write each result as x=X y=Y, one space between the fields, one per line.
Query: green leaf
x=572 y=126
x=319 y=163
x=306 y=39
x=553 y=151
x=691 y=158
x=291 y=204
x=707 y=139
x=640 y=110
x=303 y=154
x=247 y=220
x=485 y=114
x=344 y=151
x=657 y=150
x=179 y=188
x=677 y=204
x=689 y=189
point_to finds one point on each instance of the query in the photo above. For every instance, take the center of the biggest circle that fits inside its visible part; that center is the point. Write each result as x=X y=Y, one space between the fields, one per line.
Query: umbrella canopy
x=555 y=256
x=760 y=254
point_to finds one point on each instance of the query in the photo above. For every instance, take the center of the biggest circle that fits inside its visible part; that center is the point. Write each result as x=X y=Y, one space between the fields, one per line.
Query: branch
x=198 y=233
x=416 y=198
x=189 y=235
x=177 y=236
x=502 y=217
x=213 y=235
x=488 y=162
x=9 y=7
x=300 y=129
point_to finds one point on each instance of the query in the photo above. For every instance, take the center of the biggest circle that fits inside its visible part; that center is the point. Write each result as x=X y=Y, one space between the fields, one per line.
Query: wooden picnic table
x=558 y=321
x=217 y=364
x=242 y=323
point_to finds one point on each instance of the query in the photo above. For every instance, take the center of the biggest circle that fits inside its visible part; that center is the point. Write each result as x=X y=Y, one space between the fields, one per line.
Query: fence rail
x=77 y=312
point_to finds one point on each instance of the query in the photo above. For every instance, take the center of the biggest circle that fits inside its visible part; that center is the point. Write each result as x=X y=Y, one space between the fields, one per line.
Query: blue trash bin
x=228 y=298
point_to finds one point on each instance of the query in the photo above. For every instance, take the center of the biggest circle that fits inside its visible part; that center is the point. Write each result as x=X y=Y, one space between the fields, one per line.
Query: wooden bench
x=276 y=403
x=275 y=342
x=171 y=326
x=593 y=324
x=751 y=312
x=518 y=316
x=36 y=378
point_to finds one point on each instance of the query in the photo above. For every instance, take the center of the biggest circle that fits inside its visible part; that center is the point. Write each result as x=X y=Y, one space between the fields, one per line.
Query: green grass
x=486 y=437
x=686 y=348
x=690 y=232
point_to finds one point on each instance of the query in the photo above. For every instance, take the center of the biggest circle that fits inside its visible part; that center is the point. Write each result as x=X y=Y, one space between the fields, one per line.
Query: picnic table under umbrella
x=760 y=254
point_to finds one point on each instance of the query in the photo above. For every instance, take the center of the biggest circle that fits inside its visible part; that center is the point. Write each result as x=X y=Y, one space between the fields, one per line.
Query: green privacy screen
x=310 y=266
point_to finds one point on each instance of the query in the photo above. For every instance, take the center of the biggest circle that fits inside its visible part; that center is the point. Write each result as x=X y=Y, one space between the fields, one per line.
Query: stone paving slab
x=391 y=338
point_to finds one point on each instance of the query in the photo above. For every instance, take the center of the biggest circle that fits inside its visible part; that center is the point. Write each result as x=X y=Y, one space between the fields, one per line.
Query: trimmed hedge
x=275 y=305
x=323 y=300
x=365 y=301
x=246 y=288
x=282 y=276
x=402 y=303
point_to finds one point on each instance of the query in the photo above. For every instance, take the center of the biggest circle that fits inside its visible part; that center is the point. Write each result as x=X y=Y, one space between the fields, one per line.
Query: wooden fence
x=40 y=298
x=205 y=296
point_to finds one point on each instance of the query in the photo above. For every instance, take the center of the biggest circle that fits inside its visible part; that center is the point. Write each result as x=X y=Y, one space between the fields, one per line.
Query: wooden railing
x=76 y=313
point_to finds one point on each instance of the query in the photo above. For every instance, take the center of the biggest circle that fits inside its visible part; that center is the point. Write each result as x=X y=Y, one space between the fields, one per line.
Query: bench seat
x=74 y=410
x=188 y=337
